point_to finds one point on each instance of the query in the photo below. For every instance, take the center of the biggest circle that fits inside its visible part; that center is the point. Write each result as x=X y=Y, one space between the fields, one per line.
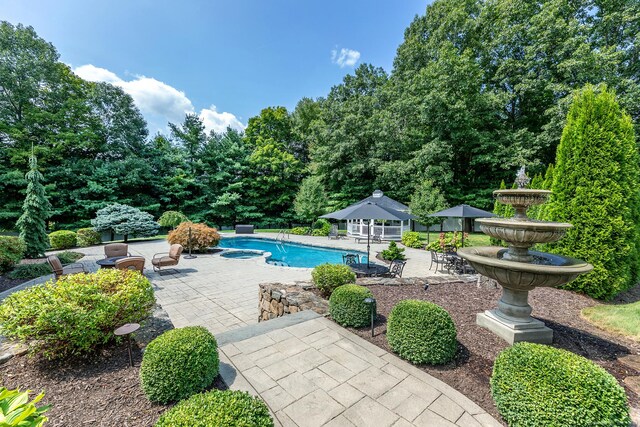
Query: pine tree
x=595 y=186
x=35 y=212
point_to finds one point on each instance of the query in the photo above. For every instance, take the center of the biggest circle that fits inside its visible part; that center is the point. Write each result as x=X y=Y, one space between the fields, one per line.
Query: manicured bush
x=179 y=363
x=126 y=221
x=422 y=332
x=538 y=385
x=347 y=306
x=30 y=271
x=62 y=239
x=172 y=219
x=327 y=277
x=77 y=313
x=203 y=237
x=17 y=411
x=88 y=237
x=11 y=252
x=596 y=187
x=393 y=252
x=412 y=239
x=300 y=231
x=448 y=239
x=229 y=408
x=321 y=227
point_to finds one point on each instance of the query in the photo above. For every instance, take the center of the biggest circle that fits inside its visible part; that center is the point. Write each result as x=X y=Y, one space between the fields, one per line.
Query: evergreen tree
x=311 y=200
x=595 y=186
x=35 y=212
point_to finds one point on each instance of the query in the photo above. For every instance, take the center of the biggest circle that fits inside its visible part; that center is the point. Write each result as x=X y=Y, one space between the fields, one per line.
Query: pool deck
x=310 y=371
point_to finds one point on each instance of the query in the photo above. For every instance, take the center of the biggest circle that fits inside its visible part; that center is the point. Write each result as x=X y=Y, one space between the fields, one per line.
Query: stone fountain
x=517 y=268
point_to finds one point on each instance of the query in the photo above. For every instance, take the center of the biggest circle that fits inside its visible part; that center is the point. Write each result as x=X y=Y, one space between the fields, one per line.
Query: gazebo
x=388 y=229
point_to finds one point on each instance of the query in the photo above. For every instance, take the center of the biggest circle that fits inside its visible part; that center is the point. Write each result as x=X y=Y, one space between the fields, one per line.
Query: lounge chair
x=375 y=238
x=116 y=249
x=170 y=259
x=333 y=233
x=395 y=269
x=131 y=263
x=60 y=270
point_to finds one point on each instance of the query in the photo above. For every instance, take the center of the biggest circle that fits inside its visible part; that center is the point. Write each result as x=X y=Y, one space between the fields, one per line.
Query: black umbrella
x=369 y=211
x=463 y=211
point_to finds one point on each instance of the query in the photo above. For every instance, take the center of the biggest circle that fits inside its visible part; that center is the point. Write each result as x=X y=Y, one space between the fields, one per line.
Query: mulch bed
x=101 y=390
x=7 y=283
x=471 y=370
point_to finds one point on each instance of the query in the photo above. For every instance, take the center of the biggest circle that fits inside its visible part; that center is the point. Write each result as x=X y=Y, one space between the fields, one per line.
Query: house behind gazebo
x=387 y=230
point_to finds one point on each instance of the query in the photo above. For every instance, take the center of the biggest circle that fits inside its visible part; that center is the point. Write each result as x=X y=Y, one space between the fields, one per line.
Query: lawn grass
x=621 y=319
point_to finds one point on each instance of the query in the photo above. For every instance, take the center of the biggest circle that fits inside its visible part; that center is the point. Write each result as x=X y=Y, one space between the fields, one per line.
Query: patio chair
x=164 y=259
x=131 y=263
x=438 y=258
x=60 y=270
x=333 y=233
x=395 y=269
x=116 y=249
x=350 y=259
x=374 y=238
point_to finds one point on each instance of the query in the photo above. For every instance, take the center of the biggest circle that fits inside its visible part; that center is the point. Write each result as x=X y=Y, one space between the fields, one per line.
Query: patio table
x=364 y=270
x=109 y=262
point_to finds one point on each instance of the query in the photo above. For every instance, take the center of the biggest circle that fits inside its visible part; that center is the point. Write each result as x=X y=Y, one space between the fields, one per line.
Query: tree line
x=478 y=88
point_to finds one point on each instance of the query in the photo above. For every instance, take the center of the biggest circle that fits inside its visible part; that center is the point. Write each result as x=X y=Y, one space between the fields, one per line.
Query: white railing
x=384 y=231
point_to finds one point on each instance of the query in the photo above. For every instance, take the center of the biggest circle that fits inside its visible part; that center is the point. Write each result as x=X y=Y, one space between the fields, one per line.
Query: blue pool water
x=289 y=254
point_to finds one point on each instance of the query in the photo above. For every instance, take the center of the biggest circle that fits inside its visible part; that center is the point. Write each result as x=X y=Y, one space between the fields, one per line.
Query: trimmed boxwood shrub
x=63 y=239
x=88 y=237
x=327 y=277
x=538 y=385
x=347 y=306
x=179 y=363
x=11 y=252
x=77 y=313
x=422 y=332
x=229 y=408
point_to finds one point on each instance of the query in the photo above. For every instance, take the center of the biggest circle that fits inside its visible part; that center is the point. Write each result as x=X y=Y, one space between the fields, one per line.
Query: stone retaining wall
x=278 y=299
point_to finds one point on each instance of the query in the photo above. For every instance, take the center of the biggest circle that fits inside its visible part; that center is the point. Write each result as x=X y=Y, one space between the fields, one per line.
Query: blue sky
x=225 y=60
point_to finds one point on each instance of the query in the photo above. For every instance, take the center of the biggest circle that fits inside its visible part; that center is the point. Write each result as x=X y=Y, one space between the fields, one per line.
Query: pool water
x=241 y=254
x=289 y=254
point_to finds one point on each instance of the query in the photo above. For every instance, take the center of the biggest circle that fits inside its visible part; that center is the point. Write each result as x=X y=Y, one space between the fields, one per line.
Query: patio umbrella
x=369 y=211
x=463 y=211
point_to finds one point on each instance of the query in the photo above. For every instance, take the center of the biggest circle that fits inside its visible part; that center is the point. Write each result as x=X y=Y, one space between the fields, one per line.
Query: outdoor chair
x=131 y=263
x=374 y=238
x=59 y=270
x=395 y=269
x=116 y=249
x=350 y=259
x=333 y=233
x=170 y=259
x=438 y=258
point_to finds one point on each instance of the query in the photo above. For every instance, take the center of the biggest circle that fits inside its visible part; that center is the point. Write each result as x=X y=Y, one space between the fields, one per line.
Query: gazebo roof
x=380 y=199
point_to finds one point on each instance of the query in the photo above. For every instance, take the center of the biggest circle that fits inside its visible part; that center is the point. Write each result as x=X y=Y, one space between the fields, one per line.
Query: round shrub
x=63 y=239
x=179 y=363
x=77 y=313
x=229 y=408
x=203 y=237
x=172 y=219
x=538 y=385
x=11 y=252
x=347 y=306
x=327 y=277
x=422 y=332
x=321 y=227
x=88 y=237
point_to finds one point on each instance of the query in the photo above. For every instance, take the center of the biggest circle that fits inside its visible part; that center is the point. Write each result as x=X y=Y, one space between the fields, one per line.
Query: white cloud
x=345 y=57
x=159 y=102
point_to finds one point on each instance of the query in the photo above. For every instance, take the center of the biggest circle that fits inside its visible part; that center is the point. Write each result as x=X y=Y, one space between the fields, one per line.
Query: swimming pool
x=289 y=254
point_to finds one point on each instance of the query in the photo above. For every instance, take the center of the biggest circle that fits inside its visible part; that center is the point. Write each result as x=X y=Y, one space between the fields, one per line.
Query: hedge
x=347 y=306
x=179 y=363
x=63 y=239
x=538 y=385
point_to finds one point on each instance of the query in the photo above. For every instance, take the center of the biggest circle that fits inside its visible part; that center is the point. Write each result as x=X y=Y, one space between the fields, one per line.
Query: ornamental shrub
x=69 y=257
x=596 y=187
x=126 y=221
x=393 y=252
x=321 y=227
x=347 y=306
x=538 y=385
x=412 y=239
x=77 y=313
x=17 y=411
x=62 y=239
x=88 y=237
x=203 y=237
x=228 y=408
x=36 y=209
x=422 y=332
x=172 y=219
x=327 y=277
x=11 y=252
x=30 y=271
x=179 y=363
x=300 y=231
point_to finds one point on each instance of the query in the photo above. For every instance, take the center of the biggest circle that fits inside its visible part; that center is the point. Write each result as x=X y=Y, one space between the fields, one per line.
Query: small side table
x=127 y=329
